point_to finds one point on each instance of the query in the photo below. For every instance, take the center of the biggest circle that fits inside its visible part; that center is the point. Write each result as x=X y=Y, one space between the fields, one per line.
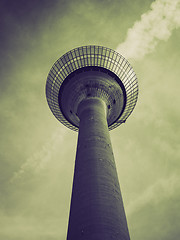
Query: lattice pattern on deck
x=96 y=56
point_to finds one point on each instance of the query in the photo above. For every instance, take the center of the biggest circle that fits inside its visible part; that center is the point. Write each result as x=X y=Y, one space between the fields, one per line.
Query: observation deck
x=90 y=72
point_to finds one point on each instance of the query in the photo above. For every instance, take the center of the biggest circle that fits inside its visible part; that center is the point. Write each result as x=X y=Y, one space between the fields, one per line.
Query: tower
x=93 y=89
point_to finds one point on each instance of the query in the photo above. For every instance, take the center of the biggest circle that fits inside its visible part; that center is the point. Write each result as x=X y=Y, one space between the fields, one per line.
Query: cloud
x=38 y=160
x=22 y=227
x=155 y=25
x=160 y=190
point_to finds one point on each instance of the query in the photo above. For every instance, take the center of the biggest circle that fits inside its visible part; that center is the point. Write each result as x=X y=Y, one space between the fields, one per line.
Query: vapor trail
x=155 y=25
x=160 y=190
x=39 y=159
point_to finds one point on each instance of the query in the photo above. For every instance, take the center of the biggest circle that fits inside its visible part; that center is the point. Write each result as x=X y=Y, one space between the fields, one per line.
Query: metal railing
x=96 y=56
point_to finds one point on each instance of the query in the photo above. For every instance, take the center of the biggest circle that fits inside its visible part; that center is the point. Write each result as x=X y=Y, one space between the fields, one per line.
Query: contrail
x=155 y=25
x=39 y=159
x=160 y=190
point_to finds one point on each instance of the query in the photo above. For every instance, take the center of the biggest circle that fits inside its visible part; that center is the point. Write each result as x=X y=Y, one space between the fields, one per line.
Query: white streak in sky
x=155 y=25
x=160 y=190
x=40 y=158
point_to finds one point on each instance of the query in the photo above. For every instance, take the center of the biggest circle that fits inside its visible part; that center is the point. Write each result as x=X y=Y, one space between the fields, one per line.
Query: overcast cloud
x=37 y=156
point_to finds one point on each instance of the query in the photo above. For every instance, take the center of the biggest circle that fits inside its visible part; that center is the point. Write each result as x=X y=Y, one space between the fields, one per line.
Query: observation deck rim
x=91 y=56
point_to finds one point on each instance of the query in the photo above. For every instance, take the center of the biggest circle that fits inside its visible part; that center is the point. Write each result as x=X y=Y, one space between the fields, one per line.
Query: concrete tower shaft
x=97 y=210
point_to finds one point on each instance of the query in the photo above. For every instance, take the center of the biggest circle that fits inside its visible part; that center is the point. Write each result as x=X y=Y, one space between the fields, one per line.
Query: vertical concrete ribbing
x=97 y=210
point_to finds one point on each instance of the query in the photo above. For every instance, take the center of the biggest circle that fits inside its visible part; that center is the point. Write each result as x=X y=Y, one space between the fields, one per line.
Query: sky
x=37 y=152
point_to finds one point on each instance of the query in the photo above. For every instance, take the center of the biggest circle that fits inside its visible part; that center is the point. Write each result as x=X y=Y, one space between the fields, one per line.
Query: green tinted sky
x=37 y=152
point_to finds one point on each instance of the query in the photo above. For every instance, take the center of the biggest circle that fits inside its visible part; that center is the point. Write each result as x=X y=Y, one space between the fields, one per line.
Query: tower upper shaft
x=97 y=210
